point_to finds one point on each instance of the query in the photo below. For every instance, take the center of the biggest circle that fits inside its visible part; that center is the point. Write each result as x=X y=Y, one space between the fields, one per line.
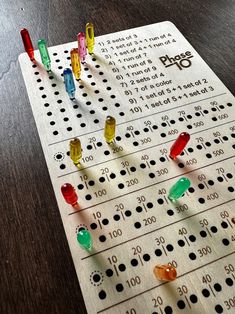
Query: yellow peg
x=75 y=151
x=109 y=129
x=75 y=62
x=90 y=37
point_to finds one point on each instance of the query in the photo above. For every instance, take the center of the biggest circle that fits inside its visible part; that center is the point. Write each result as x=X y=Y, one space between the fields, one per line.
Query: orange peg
x=165 y=272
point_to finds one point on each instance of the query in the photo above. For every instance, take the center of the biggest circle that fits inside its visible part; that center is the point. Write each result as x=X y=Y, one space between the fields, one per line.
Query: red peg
x=28 y=46
x=69 y=194
x=179 y=145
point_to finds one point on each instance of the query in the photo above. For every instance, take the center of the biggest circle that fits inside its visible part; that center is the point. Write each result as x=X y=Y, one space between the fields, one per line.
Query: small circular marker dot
x=168 y=310
x=201 y=200
x=93 y=226
x=230 y=189
x=181 y=243
x=88 y=197
x=146 y=257
x=219 y=309
x=116 y=217
x=225 y=242
x=105 y=221
x=211 y=182
x=181 y=304
x=217 y=287
x=134 y=262
x=224 y=225
x=109 y=272
x=160 y=201
x=192 y=256
x=158 y=252
x=102 y=179
x=127 y=213
x=122 y=267
x=137 y=225
x=169 y=247
x=102 y=295
x=170 y=212
x=80 y=186
x=214 y=229
x=192 y=238
x=121 y=186
x=119 y=287
x=205 y=293
x=96 y=278
x=229 y=282
x=203 y=234
x=102 y=238
x=193 y=298
x=139 y=209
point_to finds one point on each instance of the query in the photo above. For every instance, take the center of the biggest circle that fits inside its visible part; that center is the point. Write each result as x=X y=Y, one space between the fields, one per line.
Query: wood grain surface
x=37 y=273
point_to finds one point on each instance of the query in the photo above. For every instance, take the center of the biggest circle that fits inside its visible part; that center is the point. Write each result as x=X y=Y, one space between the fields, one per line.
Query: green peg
x=84 y=239
x=178 y=189
x=46 y=61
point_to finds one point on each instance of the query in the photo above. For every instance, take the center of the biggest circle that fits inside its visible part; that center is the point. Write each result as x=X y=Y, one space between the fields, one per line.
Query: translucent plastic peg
x=84 y=239
x=75 y=151
x=165 y=272
x=69 y=83
x=109 y=129
x=75 y=63
x=178 y=189
x=28 y=46
x=179 y=144
x=46 y=61
x=69 y=194
x=90 y=37
x=82 y=46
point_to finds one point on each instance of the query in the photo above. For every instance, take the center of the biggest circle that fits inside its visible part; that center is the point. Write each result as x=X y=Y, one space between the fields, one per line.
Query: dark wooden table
x=37 y=272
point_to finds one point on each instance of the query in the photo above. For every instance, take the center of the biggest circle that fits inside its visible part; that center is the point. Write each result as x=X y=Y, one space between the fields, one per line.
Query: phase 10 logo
x=181 y=60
